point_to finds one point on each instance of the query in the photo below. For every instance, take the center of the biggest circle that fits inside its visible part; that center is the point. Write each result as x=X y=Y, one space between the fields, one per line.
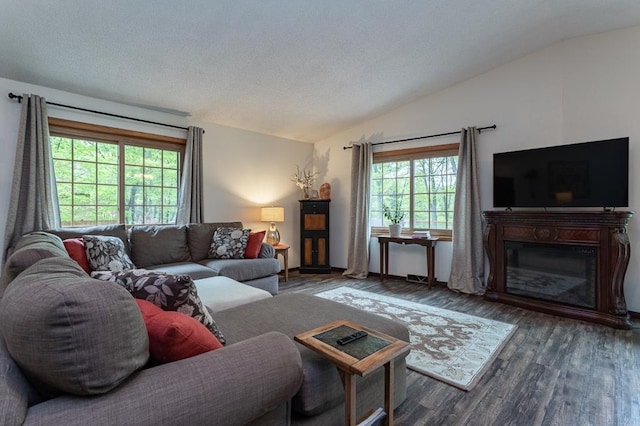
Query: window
x=106 y=175
x=421 y=182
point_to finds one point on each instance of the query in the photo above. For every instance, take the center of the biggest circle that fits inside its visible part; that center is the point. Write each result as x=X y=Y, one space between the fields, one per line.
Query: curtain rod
x=19 y=98
x=480 y=129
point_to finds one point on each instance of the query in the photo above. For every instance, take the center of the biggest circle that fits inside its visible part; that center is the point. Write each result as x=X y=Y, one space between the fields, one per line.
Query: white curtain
x=467 y=264
x=190 y=200
x=358 y=252
x=34 y=198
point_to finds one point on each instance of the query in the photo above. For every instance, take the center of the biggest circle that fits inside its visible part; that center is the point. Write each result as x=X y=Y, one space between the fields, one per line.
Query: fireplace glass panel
x=558 y=273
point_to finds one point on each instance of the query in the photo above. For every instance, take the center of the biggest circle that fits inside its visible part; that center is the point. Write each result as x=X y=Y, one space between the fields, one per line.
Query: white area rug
x=449 y=346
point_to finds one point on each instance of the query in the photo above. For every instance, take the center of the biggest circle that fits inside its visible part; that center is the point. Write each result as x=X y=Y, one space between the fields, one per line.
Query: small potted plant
x=395 y=216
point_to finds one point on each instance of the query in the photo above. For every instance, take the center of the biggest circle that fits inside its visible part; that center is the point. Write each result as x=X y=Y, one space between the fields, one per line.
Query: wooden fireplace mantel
x=605 y=231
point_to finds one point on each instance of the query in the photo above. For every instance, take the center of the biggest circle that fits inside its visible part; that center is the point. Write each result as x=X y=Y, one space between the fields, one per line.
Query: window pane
x=63 y=170
x=170 y=197
x=134 y=175
x=108 y=153
x=61 y=148
x=169 y=214
x=84 y=194
x=66 y=215
x=404 y=169
x=376 y=218
x=170 y=178
x=133 y=195
x=376 y=171
x=65 y=191
x=170 y=159
x=84 y=172
x=84 y=150
x=152 y=176
x=152 y=157
x=108 y=215
x=108 y=174
x=108 y=195
x=133 y=155
x=84 y=215
x=153 y=196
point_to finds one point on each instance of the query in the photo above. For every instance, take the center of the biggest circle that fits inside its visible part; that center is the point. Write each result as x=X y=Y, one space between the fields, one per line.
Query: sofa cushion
x=200 y=236
x=294 y=313
x=229 y=243
x=243 y=269
x=119 y=230
x=194 y=270
x=254 y=244
x=106 y=253
x=174 y=336
x=167 y=291
x=155 y=245
x=77 y=251
x=69 y=332
x=30 y=249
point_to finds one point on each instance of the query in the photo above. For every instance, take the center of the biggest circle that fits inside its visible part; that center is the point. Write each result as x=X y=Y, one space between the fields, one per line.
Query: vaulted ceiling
x=299 y=69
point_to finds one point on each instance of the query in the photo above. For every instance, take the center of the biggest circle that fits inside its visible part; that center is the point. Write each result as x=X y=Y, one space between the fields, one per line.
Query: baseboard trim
x=392 y=277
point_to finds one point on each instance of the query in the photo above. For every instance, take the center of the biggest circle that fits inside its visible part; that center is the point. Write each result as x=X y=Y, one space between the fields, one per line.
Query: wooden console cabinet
x=600 y=237
x=314 y=237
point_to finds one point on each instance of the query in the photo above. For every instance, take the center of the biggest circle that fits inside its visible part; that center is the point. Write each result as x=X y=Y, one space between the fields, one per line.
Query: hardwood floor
x=553 y=370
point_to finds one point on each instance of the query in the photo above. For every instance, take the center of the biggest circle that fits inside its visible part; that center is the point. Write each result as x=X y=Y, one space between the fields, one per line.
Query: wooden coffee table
x=360 y=357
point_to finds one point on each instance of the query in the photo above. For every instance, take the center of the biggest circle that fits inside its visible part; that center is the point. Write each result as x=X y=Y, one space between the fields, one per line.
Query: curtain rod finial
x=12 y=96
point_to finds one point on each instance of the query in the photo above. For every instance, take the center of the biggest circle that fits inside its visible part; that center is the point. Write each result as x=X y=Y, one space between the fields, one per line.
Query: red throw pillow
x=253 y=245
x=75 y=248
x=173 y=335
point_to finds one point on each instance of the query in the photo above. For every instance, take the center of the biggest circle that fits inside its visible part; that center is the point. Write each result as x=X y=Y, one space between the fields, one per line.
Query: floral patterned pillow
x=229 y=243
x=167 y=291
x=106 y=253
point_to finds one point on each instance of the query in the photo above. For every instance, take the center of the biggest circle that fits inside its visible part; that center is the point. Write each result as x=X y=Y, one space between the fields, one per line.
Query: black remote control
x=352 y=337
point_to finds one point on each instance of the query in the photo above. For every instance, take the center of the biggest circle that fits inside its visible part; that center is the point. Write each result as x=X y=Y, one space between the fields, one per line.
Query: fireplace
x=565 y=263
x=558 y=273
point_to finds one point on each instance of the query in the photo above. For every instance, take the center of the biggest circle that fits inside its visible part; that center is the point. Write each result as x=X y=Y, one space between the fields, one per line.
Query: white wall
x=583 y=89
x=243 y=170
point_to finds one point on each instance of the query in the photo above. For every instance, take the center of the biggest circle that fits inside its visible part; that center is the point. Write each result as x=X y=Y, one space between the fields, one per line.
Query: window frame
x=64 y=128
x=409 y=154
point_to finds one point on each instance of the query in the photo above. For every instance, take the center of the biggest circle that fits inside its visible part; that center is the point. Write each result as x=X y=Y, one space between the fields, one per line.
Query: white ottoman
x=220 y=293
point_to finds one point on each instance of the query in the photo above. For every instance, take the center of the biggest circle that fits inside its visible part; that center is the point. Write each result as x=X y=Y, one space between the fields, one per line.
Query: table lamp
x=273 y=215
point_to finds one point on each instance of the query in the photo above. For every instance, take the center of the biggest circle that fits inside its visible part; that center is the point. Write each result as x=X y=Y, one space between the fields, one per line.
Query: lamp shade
x=272 y=214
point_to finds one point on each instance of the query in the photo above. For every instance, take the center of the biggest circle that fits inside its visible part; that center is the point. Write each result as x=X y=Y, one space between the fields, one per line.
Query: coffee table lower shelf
x=358 y=358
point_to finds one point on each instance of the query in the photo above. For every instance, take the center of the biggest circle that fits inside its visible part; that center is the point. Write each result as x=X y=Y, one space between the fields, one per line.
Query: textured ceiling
x=299 y=69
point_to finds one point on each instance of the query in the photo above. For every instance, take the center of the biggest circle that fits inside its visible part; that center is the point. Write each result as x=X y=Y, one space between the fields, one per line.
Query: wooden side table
x=428 y=243
x=360 y=357
x=283 y=249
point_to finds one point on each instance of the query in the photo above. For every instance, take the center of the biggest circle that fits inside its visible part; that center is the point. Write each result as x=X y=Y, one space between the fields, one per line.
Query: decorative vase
x=395 y=229
x=305 y=193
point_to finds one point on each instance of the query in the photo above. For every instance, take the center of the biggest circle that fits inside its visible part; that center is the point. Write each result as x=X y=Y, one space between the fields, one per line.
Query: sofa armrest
x=231 y=386
x=267 y=251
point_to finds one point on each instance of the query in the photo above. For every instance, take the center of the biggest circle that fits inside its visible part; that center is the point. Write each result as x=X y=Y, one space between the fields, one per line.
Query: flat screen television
x=588 y=174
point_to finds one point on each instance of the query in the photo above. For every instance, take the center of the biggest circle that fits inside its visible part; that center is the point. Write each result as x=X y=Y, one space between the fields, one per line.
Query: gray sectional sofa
x=183 y=249
x=73 y=351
